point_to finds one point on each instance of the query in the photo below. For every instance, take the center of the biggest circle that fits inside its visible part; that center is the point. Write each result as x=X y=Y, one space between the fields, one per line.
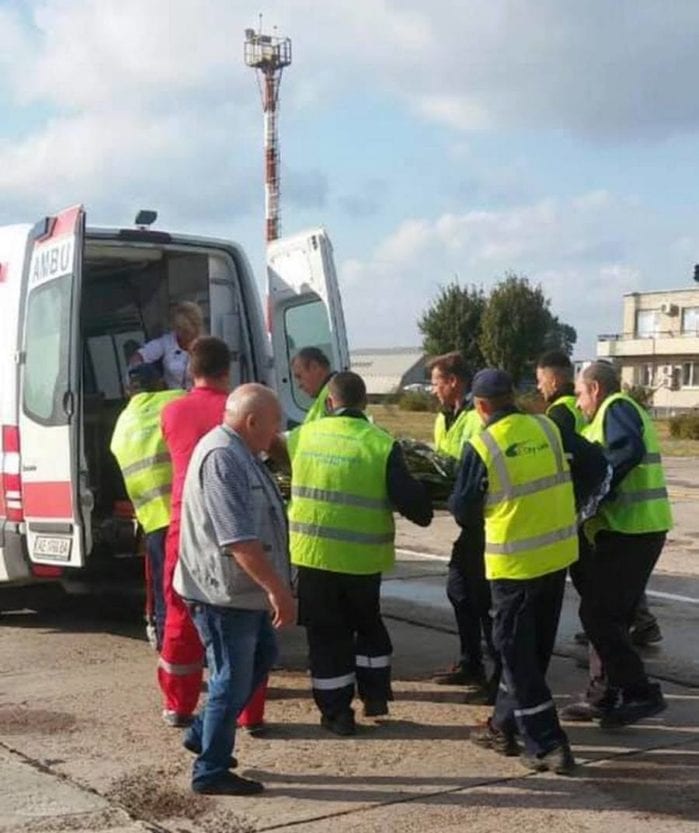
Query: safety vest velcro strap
x=332 y=683
x=146 y=463
x=372 y=662
x=542 y=707
x=352 y=537
x=642 y=496
x=178 y=670
x=651 y=457
x=152 y=494
x=528 y=544
x=343 y=498
x=531 y=488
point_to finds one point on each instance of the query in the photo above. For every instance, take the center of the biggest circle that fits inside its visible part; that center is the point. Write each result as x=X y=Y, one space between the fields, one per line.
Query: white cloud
x=583 y=250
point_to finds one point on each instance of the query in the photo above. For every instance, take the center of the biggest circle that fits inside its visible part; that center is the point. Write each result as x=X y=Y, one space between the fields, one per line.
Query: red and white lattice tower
x=268 y=55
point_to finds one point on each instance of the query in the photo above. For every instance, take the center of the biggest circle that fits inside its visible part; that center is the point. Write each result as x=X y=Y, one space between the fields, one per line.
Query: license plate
x=57 y=549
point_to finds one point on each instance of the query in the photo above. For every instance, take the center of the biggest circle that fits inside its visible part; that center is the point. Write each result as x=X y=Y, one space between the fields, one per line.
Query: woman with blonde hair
x=172 y=348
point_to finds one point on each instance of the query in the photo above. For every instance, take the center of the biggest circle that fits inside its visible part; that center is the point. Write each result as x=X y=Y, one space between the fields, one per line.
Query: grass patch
x=420 y=426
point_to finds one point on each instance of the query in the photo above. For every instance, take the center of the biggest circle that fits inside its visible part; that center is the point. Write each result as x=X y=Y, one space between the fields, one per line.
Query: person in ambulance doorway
x=622 y=543
x=173 y=348
x=555 y=381
x=234 y=574
x=467 y=588
x=347 y=476
x=184 y=423
x=516 y=475
x=140 y=450
x=311 y=370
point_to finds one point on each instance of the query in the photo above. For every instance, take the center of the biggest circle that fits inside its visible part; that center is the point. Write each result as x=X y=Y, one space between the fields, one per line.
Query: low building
x=390 y=369
x=659 y=346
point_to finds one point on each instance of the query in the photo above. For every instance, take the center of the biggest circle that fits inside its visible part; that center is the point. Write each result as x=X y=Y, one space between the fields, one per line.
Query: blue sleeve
x=466 y=501
x=407 y=495
x=623 y=439
x=228 y=498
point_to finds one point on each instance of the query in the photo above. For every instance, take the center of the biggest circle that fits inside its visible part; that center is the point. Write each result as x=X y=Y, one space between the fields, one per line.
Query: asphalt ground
x=82 y=746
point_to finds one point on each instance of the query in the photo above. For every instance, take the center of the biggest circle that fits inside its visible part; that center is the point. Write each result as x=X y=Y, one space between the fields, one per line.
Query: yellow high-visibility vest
x=143 y=457
x=530 y=521
x=340 y=517
x=640 y=502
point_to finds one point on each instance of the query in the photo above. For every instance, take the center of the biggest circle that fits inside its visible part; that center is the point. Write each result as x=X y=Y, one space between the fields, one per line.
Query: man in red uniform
x=180 y=667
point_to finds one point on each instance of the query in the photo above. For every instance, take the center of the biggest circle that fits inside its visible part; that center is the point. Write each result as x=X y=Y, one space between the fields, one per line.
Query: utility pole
x=268 y=55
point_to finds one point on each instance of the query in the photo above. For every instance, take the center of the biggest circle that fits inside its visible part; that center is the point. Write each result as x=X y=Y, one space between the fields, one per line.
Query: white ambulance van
x=75 y=302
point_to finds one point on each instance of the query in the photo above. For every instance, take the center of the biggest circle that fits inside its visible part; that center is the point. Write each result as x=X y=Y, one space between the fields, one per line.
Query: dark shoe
x=375 y=708
x=461 y=675
x=255 y=730
x=488 y=737
x=634 y=709
x=342 y=724
x=559 y=760
x=176 y=720
x=642 y=637
x=481 y=695
x=580 y=638
x=190 y=746
x=230 y=784
x=582 y=712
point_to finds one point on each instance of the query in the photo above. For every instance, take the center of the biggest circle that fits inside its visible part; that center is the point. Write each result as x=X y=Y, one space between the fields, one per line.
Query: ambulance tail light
x=10 y=477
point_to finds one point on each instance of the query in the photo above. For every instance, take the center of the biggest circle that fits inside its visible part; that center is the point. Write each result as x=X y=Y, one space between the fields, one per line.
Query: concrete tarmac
x=82 y=746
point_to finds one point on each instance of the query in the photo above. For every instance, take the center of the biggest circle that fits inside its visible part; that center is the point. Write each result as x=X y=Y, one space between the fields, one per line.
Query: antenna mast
x=268 y=55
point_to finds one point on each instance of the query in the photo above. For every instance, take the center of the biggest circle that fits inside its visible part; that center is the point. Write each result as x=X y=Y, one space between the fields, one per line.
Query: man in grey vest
x=232 y=571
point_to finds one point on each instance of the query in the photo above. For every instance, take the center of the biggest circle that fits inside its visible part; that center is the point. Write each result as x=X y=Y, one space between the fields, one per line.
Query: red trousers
x=181 y=663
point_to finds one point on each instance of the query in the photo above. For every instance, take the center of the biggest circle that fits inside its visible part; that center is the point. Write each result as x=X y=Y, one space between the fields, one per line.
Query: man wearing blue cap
x=142 y=455
x=516 y=475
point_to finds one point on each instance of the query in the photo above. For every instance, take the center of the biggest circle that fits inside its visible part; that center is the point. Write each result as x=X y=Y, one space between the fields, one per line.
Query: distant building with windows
x=659 y=346
x=390 y=369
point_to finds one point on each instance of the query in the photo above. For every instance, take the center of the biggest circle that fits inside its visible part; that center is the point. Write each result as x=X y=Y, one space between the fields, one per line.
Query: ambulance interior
x=127 y=295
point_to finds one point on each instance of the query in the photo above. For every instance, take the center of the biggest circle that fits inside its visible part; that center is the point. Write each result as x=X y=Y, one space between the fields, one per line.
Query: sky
x=455 y=140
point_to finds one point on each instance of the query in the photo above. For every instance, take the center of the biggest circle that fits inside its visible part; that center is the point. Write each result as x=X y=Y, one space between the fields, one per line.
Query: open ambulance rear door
x=49 y=392
x=305 y=309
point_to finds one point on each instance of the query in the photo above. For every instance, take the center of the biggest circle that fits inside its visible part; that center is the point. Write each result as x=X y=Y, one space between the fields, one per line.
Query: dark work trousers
x=347 y=640
x=468 y=591
x=611 y=578
x=525 y=622
x=155 y=553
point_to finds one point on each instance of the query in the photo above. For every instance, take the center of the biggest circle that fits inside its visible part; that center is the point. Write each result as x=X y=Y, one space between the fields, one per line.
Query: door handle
x=68 y=403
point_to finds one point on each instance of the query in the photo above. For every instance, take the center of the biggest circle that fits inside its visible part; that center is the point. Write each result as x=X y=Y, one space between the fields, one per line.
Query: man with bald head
x=234 y=574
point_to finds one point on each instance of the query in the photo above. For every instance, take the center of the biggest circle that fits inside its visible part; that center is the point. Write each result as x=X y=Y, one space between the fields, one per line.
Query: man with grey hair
x=619 y=548
x=232 y=571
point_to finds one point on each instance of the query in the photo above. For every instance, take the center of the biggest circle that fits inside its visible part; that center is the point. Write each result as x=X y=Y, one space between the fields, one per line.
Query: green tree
x=453 y=322
x=517 y=326
x=560 y=336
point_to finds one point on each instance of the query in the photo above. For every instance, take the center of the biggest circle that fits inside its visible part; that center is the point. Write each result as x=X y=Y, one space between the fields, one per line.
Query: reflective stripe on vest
x=451 y=441
x=140 y=450
x=340 y=517
x=640 y=501
x=510 y=490
x=530 y=521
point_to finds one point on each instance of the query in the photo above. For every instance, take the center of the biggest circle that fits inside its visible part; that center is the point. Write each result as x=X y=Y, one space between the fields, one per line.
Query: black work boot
x=461 y=675
x=559 y=760
x=341 y=724
x=375 y=708
x=635 y=707
x=488 y=737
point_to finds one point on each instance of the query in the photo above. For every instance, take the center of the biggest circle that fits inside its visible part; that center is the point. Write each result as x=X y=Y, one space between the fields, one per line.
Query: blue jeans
x=155 y=550
x=241 y=647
